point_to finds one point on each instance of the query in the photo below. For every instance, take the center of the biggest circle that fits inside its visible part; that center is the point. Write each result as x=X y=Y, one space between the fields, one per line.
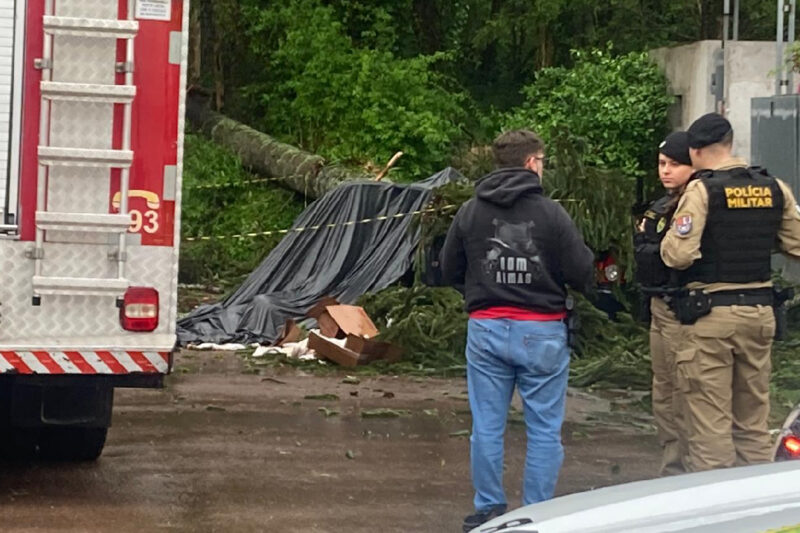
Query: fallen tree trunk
x=296 y=169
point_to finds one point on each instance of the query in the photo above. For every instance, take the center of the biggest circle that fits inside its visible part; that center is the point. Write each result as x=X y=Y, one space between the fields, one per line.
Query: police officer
x=658 y=284
x=724 y=230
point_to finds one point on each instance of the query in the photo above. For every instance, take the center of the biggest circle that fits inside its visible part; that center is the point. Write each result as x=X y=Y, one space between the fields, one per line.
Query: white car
x=749 y=499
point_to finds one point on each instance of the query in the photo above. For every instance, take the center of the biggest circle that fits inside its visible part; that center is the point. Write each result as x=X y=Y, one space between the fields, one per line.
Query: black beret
x=708 y=129
x=676 y=146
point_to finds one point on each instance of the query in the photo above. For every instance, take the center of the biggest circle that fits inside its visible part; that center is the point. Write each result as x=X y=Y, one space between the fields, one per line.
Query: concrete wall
x=748 y=64
x=689 y=68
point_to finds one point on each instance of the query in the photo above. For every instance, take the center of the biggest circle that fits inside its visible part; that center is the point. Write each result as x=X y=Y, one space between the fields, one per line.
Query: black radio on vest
x=651 y=272
x=745 y=207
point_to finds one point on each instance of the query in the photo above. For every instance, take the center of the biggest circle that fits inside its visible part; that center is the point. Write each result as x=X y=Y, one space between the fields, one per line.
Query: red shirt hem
x=515 y=313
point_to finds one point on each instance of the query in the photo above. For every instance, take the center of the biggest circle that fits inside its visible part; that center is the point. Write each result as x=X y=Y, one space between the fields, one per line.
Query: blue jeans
x=534 y=356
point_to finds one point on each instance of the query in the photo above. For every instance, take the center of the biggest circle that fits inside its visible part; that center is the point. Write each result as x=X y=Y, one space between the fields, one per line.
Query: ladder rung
x=80 y=286
x=87 y=92
x=88 y=27
x=82 y=157
x=89 y=222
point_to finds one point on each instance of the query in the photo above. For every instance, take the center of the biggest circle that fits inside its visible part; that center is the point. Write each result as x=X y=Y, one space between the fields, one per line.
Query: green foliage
x=496 y=45
x=610 y=354
x=785 y=382
x=375 y=24
x=428 y=322
x=599 y=201
x=227 y=210
x=431 y=325
x=351 y=105
x=792 y=62
x=616 y=104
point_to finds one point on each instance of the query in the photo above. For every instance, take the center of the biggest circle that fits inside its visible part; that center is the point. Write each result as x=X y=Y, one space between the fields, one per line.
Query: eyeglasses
x=543 y=159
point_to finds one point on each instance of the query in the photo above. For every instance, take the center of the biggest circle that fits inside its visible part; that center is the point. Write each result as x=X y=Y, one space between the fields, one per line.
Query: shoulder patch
x=683 y=224
x=662 y=223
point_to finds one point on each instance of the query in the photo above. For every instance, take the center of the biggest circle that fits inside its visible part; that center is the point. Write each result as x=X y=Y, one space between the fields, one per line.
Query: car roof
x=735 y=499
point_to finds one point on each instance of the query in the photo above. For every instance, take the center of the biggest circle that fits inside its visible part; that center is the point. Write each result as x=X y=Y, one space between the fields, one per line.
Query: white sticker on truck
x=153 y=9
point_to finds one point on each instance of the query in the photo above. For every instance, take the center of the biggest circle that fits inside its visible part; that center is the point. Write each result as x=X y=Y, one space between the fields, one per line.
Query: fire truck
x=91 y=144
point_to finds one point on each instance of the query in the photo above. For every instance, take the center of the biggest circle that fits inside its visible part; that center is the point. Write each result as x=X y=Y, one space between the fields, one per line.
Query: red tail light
x=792 y=445
x=139 y=311
x=607 y=270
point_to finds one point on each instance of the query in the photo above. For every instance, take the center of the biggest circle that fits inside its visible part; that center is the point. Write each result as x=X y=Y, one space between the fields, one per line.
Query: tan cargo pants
x=665 y=334
x=723 y=369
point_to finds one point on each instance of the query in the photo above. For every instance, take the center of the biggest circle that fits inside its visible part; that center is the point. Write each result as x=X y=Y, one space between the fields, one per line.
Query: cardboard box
x=290 y=333
x=320 y=306
x=330 y=350
x=328 y=326
x=339 y=321
x=351 y=323
x=373 y=350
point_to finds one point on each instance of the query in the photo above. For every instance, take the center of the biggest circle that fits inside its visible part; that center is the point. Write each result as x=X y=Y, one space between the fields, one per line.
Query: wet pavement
x=223 y=450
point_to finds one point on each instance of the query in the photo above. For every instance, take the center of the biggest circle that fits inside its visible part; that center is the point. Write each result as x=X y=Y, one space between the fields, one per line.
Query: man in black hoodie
x=514 y=250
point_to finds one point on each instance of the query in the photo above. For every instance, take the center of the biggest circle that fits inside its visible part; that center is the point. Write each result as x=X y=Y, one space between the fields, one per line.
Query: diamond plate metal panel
x=99 y=9
x=79 y=320
x=84 y=59
x=77 y=190
x=76 y=261
x=81 y=125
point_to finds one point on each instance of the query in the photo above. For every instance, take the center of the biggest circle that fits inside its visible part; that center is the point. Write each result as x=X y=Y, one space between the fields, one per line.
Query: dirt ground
x=219 y=449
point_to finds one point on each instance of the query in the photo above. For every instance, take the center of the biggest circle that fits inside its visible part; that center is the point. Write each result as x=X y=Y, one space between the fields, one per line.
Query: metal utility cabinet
x=775 y=145
x=775 y=137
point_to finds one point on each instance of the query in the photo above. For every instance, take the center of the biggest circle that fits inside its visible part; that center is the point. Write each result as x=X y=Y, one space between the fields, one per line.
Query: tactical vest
x=745 y=207
x=651 y=272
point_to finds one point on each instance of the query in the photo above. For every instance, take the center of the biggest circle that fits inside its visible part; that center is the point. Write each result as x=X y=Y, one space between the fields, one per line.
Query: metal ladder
x=53 y=156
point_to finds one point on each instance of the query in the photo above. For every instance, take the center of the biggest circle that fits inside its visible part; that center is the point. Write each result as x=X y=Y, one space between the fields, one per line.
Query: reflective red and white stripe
x=72 y=362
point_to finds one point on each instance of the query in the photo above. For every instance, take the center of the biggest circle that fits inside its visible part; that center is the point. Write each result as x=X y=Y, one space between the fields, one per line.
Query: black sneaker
x=481 y=517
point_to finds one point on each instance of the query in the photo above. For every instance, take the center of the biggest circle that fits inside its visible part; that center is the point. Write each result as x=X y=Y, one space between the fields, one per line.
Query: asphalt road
x=223 y=450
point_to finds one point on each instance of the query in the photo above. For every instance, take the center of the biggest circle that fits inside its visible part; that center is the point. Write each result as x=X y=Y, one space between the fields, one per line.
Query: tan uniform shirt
x=680 y=249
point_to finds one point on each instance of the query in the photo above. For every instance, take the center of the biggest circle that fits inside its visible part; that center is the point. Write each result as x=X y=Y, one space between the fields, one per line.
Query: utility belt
x=648 y=293
x=689 y=305
x=661 y=292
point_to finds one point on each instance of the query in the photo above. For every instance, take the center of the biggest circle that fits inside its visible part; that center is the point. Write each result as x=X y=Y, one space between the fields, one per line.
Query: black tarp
x=344 y=261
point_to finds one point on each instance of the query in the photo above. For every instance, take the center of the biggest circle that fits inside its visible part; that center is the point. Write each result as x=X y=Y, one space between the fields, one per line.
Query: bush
x=598 y=200
x=617 y=105
x=227 y=210
x=351 y=105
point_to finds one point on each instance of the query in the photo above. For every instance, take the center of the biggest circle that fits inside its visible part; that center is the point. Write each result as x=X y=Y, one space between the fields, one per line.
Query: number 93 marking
x=147 y=221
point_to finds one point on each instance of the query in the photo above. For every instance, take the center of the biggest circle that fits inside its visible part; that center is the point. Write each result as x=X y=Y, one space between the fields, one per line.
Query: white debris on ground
x=230 y=347
x=294 y=350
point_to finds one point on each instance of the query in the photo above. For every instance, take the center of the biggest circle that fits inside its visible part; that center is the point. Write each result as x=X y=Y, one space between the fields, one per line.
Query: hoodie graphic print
x=513 y=257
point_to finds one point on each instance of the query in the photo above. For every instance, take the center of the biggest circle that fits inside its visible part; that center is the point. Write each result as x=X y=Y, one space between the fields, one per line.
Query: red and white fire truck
x=91 y=145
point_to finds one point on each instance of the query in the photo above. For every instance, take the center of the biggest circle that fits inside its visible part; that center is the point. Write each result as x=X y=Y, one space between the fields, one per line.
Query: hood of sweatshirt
x=504 y=186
